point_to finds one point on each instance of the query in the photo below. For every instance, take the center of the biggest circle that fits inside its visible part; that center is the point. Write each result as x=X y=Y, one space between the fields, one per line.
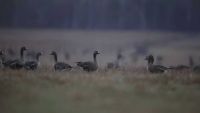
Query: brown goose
x=60 y=66
x=89 y=66
x=32 y=65
x=17 y=63
x=154 y=68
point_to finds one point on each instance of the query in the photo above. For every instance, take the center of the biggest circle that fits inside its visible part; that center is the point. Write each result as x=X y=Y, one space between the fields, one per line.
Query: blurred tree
x=104 y=14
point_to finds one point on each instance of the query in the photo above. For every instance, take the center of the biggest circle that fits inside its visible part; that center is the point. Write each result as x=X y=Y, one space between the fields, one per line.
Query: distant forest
x=181 y=15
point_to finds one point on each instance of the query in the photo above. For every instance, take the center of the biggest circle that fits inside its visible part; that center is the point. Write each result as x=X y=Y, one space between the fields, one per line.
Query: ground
x=113 y=91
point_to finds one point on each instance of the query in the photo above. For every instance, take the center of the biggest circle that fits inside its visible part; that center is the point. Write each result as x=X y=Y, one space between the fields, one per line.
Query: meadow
x=128 y=90
x=104 y=91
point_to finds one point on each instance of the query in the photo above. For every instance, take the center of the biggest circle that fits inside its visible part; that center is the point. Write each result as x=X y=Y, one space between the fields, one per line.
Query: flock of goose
x=88 y=66
x=17 y=64
x=161 y=69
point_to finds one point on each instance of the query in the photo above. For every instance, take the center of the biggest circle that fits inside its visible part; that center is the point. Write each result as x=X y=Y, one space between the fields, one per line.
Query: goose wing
x=88 y=66
x=157 y=69
x=62 y=66
x=16 y=64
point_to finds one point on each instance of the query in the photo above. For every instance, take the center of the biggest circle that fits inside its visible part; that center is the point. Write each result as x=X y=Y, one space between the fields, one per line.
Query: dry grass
x=114 y=91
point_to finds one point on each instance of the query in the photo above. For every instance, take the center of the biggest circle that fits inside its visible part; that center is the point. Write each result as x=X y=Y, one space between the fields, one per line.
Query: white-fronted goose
x=90 y=65
x=60 y=66
x=154 y=68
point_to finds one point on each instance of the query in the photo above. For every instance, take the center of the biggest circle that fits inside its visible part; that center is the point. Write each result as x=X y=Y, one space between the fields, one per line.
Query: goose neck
x=95 y=58
x=22 y=54
x=55 y=58
x=37 y=58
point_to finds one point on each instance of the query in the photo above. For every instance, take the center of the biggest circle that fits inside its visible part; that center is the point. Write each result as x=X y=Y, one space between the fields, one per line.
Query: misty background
x=168 y=29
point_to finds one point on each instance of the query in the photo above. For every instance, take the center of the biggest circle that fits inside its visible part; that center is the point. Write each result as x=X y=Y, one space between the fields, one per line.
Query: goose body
x=89 y=66
x=157 y=69
x=32 y=65
x=154 y=68
x=60 y=66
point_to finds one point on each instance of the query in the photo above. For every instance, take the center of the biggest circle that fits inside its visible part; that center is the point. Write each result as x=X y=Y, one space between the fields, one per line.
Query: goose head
x=96 y=53
x=150 y=59
x=53 y=53
x=39 y=54
x=23 y=48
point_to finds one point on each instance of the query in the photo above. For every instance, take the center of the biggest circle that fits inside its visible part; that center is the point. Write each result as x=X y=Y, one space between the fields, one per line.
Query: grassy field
x=114 y=91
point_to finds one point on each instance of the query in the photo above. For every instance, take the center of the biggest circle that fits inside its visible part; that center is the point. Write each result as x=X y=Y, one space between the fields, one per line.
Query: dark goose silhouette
x=89 y=66
x=17 y=63
x=32 y=65
x=154 y=68
x=60 y=66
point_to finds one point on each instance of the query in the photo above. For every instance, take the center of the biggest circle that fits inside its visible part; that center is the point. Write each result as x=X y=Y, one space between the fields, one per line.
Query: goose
x=154 y=68
x=32 y=65
x=17 y=63
x=89 y=66
x=60 y=66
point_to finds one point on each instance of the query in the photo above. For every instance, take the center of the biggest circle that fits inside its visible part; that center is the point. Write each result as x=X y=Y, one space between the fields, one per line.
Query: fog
x=174 y=47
